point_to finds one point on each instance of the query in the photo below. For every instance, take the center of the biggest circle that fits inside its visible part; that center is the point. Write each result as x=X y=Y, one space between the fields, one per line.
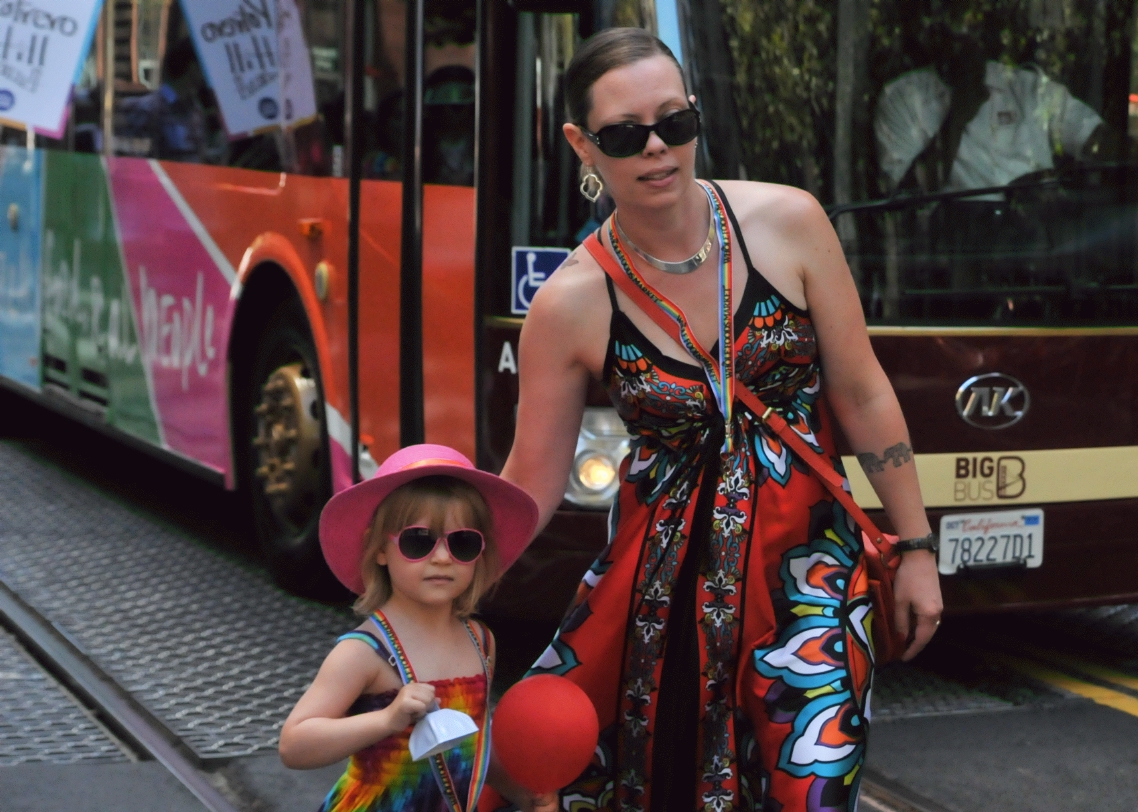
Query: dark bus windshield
x=978 y=157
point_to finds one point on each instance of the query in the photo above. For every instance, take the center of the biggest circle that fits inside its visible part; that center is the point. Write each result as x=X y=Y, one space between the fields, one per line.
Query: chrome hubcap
x=288 y=444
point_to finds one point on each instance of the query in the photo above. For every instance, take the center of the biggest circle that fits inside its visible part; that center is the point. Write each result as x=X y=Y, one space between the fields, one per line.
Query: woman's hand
x=546 y=802
x=410 y=705
x=515 y=793
x=916 y=596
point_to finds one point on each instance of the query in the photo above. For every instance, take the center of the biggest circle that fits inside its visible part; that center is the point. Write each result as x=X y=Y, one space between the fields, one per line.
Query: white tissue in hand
x=438 y=731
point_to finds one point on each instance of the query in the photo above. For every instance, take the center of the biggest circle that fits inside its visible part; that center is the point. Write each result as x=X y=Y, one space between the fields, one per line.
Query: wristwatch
x=931 y=542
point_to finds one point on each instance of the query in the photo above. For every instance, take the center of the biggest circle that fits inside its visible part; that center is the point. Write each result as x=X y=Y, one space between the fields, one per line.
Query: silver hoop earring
x=592 y=186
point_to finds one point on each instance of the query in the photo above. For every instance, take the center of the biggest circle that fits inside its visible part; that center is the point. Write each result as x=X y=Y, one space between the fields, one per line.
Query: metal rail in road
x=111 y=705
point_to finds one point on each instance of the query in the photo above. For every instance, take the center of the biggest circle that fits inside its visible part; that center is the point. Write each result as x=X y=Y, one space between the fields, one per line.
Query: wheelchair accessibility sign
x=532 y=266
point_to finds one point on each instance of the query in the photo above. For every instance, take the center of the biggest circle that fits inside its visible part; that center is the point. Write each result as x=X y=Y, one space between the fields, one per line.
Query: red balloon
x=544 y=732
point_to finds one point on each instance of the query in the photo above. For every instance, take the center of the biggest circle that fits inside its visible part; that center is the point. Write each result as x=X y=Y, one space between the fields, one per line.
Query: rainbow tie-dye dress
x=383 y=778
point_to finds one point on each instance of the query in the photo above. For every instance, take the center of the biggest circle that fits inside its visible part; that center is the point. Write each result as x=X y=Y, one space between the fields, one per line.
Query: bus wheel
x=288 y=467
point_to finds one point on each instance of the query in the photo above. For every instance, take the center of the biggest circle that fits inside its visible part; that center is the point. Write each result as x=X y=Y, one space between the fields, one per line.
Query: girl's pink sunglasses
x=416 y=543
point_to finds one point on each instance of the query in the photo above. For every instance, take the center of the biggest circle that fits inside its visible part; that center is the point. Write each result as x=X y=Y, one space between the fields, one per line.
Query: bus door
x=530 y=218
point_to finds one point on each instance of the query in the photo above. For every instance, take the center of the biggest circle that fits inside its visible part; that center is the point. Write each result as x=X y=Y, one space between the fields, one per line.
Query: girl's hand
x=410 y=704
x=916 y=594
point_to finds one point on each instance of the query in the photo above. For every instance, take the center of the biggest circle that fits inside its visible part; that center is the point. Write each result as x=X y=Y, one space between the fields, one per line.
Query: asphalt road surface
x=148 y=577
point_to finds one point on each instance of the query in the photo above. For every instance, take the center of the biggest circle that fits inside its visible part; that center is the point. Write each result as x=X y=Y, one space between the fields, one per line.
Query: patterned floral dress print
x=724 y=632
x=383 y=778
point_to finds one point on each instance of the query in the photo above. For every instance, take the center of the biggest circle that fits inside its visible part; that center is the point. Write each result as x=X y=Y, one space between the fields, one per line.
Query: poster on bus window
x=252 y=53
x=298 y=93
x=42 y=45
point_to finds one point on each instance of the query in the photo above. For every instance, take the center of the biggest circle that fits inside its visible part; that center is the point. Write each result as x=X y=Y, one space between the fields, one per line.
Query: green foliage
x=628 y=14
x=783 y=53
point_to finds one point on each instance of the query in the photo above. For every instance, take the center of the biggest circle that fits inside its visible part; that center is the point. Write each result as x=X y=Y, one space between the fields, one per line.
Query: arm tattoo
x=897 y=454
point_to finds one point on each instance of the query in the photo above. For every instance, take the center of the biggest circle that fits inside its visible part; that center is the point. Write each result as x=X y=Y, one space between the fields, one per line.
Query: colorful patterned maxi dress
x=724 y=632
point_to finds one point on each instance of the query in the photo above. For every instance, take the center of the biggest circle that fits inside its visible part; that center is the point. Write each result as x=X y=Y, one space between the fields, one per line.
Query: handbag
x=880 y=554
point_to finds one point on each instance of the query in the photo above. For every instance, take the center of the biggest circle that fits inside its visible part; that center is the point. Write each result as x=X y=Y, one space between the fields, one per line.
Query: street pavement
x=1076 y=756
x=254 y=784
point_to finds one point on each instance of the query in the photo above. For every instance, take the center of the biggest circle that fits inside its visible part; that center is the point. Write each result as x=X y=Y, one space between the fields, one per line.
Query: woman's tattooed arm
x=897 y=454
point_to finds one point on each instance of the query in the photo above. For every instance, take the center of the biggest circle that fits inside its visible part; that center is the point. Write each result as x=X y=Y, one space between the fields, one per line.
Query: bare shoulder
x=359 y=661
x=789 y=237
x=569 y=311
x=775 y=206
x=569 y=289
x=359 y=653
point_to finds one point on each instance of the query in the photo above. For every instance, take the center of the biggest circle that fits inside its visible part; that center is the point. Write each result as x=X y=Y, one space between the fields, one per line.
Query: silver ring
x=938 y=623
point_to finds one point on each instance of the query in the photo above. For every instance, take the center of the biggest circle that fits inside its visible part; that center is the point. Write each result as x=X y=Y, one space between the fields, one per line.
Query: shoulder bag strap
x=831 y=479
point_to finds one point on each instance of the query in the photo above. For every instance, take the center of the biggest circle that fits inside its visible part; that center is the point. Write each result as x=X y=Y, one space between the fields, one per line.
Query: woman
x=721 y=634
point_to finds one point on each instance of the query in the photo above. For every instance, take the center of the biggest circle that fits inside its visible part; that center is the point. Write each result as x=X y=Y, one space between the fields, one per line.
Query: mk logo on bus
x=992 y=401
x=981 y=479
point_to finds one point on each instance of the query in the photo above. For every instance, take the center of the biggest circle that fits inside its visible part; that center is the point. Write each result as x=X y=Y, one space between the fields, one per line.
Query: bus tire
x=286 y=456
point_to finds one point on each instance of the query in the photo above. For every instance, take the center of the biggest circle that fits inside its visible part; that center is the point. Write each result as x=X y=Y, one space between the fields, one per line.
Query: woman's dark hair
x=611 y=48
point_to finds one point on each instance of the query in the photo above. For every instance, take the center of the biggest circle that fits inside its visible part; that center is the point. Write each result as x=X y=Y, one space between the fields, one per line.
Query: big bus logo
x=992 y=401
x=982 y=479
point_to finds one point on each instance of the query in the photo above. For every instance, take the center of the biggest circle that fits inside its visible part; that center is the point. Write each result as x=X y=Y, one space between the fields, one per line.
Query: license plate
x=1006 y=538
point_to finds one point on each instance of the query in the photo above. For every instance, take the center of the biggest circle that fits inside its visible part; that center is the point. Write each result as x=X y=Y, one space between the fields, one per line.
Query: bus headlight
x=601 y=445
x=595 y=471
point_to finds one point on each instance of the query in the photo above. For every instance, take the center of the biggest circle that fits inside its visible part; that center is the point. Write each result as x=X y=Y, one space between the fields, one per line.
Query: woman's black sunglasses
x=625 y=139
x=416 y=543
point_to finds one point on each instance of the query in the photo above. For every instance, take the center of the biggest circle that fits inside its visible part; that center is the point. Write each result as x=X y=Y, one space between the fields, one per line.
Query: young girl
x=419 y=542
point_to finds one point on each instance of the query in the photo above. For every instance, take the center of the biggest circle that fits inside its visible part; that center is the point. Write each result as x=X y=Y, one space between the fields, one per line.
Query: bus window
x=448 y=92
x=383 y=89
x=83 y=127
x=165 y=105
x=314 y=139
x=976 y=156
x=548 y=211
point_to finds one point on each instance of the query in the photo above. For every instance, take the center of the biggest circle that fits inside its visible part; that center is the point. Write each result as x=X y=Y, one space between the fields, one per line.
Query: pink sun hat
x=346 y=517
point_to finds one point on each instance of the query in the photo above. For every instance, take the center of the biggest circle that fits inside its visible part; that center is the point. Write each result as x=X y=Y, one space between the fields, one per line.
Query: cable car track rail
x=133 y=725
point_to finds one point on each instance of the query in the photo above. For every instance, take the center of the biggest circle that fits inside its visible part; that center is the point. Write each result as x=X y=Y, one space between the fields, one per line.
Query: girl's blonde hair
x=429 y=497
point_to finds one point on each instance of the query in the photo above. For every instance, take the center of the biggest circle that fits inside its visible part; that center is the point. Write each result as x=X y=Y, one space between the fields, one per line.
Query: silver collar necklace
x=684 y=266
